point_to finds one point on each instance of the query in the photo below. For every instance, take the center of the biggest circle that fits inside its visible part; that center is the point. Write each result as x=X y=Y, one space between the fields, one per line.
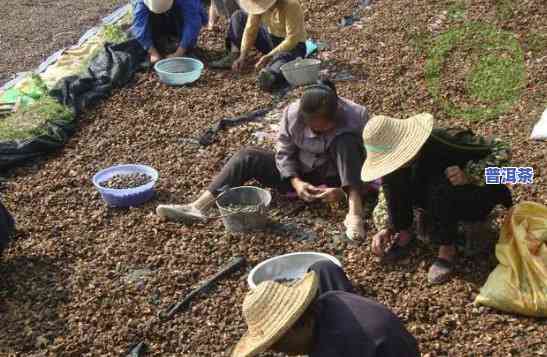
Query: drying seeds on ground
x=286 y=281
x=237 y=208
x=415 y=124
x=126 y=181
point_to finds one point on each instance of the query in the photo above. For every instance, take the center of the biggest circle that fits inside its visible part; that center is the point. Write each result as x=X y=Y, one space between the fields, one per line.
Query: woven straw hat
x=390 y=143
x=270 y=310
x=158 y=6
x=256 y=7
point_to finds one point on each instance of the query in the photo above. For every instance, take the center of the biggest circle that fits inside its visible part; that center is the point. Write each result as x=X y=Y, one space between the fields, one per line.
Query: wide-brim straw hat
x=390 y=143
x=256 y=7
x=158 y=6
x=270 y=310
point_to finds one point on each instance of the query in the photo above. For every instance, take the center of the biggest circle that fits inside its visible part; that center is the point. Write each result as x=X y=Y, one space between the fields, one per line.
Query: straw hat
x=390 y=143
x=270 y=310
x=158 y=6
x=256 y=7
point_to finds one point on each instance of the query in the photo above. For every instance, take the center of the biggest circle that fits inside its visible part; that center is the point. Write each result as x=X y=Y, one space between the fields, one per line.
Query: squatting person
x=426 y=169
x=168 y=27
x=320 y=316
x=319 y=143
x=276 y=28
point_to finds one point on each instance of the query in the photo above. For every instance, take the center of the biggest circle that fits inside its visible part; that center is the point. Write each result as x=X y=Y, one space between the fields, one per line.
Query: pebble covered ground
x=30 y=31
x=86 y=280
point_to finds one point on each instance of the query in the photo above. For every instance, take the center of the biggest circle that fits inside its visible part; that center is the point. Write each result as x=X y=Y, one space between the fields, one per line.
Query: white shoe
x=355 y=227
x=187 y=214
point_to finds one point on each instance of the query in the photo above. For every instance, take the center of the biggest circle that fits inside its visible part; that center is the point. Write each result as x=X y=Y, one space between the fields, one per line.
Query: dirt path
x=30 y=31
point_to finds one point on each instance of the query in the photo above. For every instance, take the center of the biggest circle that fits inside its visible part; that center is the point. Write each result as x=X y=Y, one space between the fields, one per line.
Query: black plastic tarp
x=7 y=226
x=112 y=68
x=208 y=137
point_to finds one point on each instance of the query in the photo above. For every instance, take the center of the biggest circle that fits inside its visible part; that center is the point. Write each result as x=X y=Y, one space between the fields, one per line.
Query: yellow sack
x=519 y=282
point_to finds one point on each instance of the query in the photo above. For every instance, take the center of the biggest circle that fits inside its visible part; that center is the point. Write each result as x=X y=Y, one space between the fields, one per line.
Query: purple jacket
x=300 y=151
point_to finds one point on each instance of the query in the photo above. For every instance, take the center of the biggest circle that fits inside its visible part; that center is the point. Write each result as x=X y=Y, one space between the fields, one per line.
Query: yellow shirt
x=285 y=19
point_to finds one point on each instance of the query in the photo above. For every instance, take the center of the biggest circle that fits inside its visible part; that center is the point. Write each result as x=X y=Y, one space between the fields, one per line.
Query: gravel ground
x=30 y=31
x=83 y=279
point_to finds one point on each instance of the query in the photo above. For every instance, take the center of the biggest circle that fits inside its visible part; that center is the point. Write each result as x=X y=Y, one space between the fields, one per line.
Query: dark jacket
x=407 y=187
x=348 y=325
x=193 y=17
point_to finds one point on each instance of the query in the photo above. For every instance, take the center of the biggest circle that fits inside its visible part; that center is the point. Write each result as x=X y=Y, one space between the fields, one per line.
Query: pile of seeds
x=126 y=181
x=235 y=208
x=286 y=281
x=86 y=250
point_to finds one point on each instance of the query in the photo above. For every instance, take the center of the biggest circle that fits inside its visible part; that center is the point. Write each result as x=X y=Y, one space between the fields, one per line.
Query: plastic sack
x=26 y=92
x=540 y=129
x=519 y=282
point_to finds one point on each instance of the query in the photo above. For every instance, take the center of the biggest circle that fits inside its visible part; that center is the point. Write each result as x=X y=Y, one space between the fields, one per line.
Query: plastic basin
x=287 y=266
x=178 y=71
x=301 y=71
x=127 y=197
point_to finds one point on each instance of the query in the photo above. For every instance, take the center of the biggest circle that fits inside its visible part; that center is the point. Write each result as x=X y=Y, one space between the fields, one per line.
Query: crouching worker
x=281 y=40
x=310 y=318
x=426 y=169
x=167 y=27
x=319 y=143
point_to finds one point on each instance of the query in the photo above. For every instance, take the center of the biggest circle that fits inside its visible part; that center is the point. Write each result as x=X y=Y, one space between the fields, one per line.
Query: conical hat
x=390 y=143
x=158 y=6
x=270 y=310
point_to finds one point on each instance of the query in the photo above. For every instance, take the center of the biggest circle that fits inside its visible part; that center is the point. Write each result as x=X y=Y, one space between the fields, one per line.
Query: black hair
x=319 y=99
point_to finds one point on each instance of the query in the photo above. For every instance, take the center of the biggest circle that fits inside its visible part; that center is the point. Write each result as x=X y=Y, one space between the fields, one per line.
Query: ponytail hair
x=319 y=99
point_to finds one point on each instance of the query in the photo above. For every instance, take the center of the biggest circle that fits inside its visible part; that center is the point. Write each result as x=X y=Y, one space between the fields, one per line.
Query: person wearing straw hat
x=298 y=320
x=424 y=168
x=319 y=144
x=275 y=28
x=167 y=27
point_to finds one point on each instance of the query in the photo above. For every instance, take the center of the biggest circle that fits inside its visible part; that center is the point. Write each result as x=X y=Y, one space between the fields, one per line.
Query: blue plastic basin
x=179 y=71
x=127 y=197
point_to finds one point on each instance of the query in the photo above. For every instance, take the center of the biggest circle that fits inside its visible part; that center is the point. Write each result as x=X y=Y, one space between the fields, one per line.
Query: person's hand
x=380 y=241
x=331 y=194
x=456 y=176
x=154 y=55
x=180 y=52
x=239 y=64
x=305 y=191
x=263 y=62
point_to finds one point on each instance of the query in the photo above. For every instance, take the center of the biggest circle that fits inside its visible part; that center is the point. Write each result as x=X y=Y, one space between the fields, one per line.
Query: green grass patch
x=31 y=122
x=494 y=81
x=456 y=11
x=420 y=41
x=536 y=42
x=504 y=9
x=112 y=34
